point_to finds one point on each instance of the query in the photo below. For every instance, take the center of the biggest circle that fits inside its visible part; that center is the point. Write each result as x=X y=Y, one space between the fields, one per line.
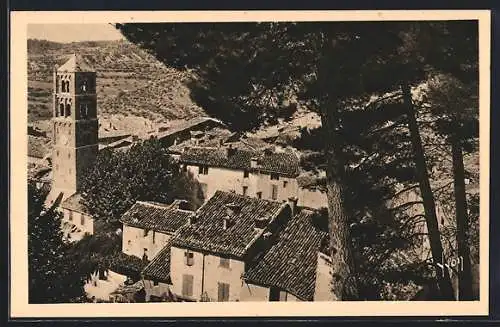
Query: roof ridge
x=154 y=204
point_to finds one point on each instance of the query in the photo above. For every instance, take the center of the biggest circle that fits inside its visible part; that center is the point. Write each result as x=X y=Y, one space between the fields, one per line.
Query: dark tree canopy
x=144 y=172
x=53 y=276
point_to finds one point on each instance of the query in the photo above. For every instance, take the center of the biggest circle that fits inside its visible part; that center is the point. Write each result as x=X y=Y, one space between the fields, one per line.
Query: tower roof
x=76 y=63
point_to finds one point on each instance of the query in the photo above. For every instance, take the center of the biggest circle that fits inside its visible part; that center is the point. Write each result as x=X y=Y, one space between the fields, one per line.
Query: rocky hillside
x=130 y=81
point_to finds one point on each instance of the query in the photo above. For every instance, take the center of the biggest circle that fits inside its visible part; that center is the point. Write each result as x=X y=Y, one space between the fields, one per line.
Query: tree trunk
x=465 y=271
x=344 y=286
x=442 y=274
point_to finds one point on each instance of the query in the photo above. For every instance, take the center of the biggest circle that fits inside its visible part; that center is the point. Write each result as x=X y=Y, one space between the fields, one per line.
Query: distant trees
x=144 y=172
x=53 y=276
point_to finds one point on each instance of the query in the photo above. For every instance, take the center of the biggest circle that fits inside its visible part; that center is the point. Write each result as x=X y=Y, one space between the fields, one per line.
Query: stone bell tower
x=75 y=124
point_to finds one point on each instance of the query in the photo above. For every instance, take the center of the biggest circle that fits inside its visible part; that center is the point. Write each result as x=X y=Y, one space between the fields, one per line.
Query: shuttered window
x=224 y=262
x=274 y=192
x=189 y=258
x=187 y=285
x=223 y=292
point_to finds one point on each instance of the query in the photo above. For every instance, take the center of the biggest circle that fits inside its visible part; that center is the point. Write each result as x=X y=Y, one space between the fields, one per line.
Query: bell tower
x=75 y=124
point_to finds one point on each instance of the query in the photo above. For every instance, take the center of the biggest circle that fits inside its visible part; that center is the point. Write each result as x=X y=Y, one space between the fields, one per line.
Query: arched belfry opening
x=68 y=110
x=61 y=109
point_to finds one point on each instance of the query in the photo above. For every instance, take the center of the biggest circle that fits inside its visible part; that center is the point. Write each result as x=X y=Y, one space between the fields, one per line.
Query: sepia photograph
x=254 y=161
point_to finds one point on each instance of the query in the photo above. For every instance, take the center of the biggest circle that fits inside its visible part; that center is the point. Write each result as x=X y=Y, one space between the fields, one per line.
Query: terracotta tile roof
x=284 y=163
x=75 y=203
x=159 y=268
x=187 y=125
x=290 y=264
x=155 y=216
x=208 y=234
x=38 y=147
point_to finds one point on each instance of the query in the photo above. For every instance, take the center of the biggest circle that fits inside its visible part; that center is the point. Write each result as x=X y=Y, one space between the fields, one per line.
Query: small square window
x=245 y=190
x=155 y=283
x=246 y=174
x=285 y=183
x=275 y=177
x=259 y=195
x=224 y=262
x=189 y=256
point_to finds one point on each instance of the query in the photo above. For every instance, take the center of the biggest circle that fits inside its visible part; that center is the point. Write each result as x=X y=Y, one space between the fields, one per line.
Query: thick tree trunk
x=344 y=286
x=465 y=271
x=442 y=275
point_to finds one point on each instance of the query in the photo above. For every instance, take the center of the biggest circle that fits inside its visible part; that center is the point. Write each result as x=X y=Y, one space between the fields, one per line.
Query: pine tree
x=53 y=277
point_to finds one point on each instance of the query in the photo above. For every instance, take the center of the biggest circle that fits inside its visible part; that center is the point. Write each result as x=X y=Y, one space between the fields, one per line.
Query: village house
x=294 y=268
x=208 y=255
x=268 y=174
x=76 y=219
x=148 y=226
x=183 y=132
x=237 y=248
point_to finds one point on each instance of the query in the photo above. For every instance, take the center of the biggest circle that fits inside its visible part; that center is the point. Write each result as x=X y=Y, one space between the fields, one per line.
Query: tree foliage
x=245 y=71
x=53 y=276
x=144 y=172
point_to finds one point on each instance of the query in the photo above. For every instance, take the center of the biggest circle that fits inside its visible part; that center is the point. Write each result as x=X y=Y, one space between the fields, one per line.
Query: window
x=285 y=183
x=146 y=232
x=275 y=177
x=223 y=292
x=82 y=219
x=189 y=258
x=274 y=294
x=129 y=242
x=70 y=216
x=61 y=109
x=245 y=174
x=274 y=192
x=68 y=110
x=224 y=262
x=245 y=189
x=155 y=283
x=184 y=168
x=154 y=234
x=203 y=170
x=57 y=153
x=187 y=285
x=259 y=195
x=145 y=255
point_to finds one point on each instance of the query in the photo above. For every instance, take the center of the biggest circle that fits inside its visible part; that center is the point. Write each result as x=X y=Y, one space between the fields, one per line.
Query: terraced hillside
x=130 y=81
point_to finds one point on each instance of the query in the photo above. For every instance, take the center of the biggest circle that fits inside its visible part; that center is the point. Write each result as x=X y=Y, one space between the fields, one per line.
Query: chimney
x=232 y=209
x=191 y=219
x=292 y=202
x=181 y=204
x=260 y=222
x=254 y=162
x=227 y=222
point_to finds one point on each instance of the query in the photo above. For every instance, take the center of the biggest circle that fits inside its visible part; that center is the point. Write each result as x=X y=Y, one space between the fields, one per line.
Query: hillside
x=130 y=81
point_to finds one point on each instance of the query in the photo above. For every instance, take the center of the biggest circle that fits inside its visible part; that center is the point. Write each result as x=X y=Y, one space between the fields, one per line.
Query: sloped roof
x=285 y=163
x=75 y=203
x=159 y=268
x=155 y=216
x=76 y=63
x=207 y=232
x=186 y=125
x=290 y=264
